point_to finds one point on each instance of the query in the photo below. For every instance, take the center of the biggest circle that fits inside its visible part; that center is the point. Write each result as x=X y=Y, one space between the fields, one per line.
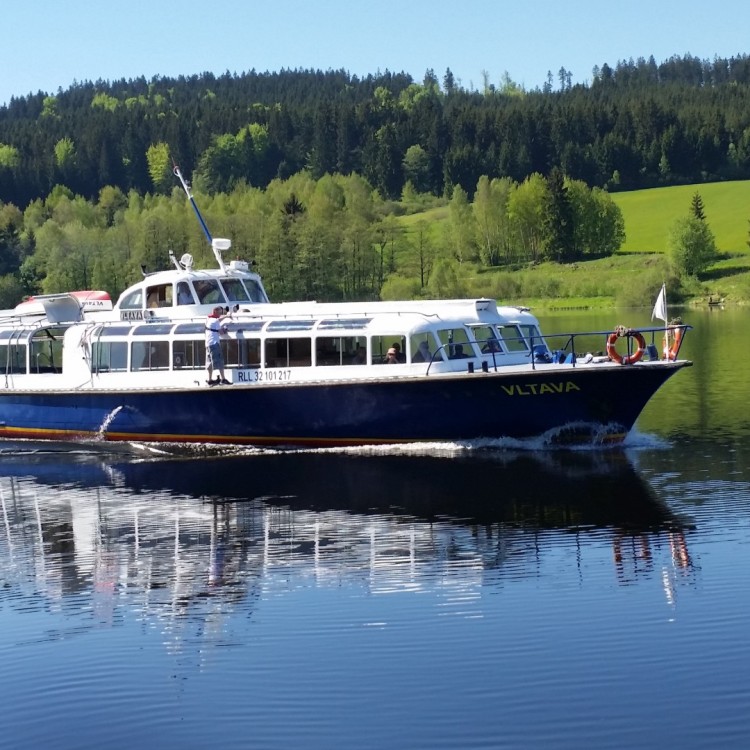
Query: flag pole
x=666 y=321
x=660 y=311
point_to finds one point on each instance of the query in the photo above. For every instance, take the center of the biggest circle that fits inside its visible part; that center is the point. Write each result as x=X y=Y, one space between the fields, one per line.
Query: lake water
x=447 y=596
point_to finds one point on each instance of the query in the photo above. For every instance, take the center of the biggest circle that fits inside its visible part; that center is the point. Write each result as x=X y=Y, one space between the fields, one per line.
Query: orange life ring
x=627 y=359
x=670 y=352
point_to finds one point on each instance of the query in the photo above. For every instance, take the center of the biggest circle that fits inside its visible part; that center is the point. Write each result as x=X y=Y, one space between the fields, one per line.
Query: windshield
x=234 y=290
x=256 y=293
x=208 y=291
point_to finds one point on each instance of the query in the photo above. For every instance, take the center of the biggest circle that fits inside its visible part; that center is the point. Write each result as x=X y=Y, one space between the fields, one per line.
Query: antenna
x=186 y=188
x=217 y=245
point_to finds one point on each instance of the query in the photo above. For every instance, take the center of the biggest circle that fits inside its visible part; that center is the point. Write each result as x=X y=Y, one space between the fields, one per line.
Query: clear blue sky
x=46 y=46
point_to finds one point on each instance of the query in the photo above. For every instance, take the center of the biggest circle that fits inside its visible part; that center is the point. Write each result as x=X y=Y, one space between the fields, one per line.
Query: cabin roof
x=375 y=318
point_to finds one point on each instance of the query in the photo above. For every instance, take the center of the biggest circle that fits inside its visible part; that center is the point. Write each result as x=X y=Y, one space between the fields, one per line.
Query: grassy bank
x=626 y=280
x=635 y=274
x=649 y=214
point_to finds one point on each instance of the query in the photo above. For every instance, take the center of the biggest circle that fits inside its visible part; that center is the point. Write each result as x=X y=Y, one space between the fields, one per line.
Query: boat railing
x=540 y=350
x=567 y=352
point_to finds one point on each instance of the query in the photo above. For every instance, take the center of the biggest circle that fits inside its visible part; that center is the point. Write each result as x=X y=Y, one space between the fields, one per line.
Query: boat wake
x=598 y=439
x=577 y=437
x=101 y=433
x=641 y=441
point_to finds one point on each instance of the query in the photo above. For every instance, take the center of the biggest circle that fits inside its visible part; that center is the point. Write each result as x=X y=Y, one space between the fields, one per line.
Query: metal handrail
x=568 y=346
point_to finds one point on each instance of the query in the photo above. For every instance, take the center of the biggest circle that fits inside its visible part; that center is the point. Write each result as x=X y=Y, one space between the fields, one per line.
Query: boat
x=76 y=366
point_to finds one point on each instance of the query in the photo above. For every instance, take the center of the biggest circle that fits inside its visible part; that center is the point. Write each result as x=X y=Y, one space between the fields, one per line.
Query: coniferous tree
x=449 y=82
x=696 y=207
x=559 y=218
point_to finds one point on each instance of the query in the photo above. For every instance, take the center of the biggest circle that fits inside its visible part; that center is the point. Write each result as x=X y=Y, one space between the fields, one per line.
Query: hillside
x=641 y=264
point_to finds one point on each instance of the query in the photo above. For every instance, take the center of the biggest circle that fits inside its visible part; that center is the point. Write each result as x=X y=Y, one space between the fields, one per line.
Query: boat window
x=190 y=328
x=184 y=294
x=133 y=301
x=245 y=327
x=12 y=358
x=188 y=355
x=487 y=339
x=290 y=325
x=344 y=323
x=116 y=330
x=456 y=343
x=255 y=291
x=208 y=291
x=46 y=350
x=381 y=345
x=423 y=348
x=532 y=334
x=234 y=290
x=149 y=355
x=153 y=329
x=16 y=334
x=241 y=353
x=288 y=353
x=340 y=350
x=159 y=296
x=514 y=339
x=109 y=356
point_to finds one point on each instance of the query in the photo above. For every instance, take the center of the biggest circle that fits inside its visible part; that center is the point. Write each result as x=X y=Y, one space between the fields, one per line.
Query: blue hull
x=479 y=405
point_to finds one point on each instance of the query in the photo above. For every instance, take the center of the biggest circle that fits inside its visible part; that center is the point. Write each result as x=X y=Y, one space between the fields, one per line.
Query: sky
x=49 y=46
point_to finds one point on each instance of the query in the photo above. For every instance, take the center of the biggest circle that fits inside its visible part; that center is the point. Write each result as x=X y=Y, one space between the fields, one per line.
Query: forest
x=638 y=124
x=308 y=172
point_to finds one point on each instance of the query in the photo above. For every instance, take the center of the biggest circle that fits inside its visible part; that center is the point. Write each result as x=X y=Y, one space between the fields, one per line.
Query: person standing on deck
x=214 y=355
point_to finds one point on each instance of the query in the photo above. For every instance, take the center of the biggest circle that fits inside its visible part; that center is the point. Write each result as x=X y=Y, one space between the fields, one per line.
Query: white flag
x=660 y=308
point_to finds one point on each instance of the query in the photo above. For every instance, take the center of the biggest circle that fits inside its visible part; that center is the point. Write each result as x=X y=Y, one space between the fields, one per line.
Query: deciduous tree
x=526 y=209
x=417 y=168
x=462 y=225
x=160 y=167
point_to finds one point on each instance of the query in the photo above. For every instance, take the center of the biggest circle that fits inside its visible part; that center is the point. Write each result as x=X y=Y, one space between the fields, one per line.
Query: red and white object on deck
x=65 y=307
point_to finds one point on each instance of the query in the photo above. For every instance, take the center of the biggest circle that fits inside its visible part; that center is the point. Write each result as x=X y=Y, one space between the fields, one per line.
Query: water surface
x=494 y=595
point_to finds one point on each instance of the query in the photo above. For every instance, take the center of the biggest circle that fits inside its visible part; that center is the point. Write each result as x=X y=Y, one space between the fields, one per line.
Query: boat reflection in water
x=195 y=539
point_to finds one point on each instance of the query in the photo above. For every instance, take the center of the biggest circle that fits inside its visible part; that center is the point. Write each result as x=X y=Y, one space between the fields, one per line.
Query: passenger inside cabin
x=391 y=357
x=400 y=356
x=360 y=356
x=458 y=352
x=423 y=353
x=184 y=295
x=491 y=346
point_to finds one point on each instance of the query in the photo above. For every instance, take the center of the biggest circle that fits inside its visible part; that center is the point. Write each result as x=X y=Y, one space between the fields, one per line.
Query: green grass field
x=649 y=214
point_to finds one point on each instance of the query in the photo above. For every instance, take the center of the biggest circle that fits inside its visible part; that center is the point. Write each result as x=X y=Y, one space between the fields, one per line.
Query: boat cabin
x=171 y=289
x=281 y=343
x=184 y=292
